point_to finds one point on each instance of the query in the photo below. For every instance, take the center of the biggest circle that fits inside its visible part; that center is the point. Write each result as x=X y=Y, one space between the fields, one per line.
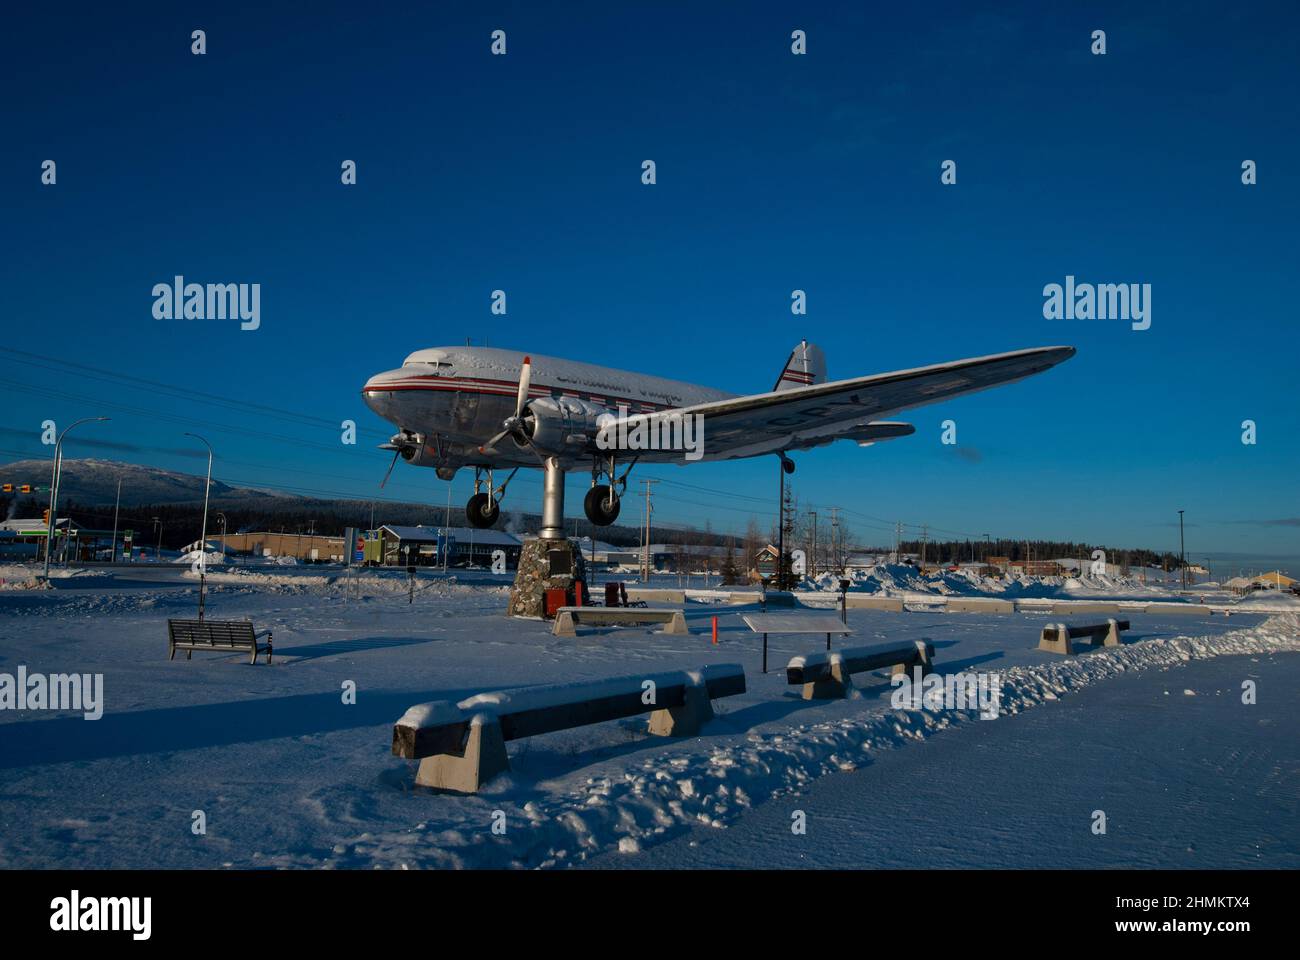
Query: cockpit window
x=439 y=368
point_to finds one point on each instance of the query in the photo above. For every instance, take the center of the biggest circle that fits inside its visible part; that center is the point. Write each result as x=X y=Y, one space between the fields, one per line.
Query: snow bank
x=17 y=576
x=213 y=559
x=894 y=579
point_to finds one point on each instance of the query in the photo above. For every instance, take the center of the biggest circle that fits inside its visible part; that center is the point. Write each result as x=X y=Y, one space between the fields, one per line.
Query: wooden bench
x=567 y=618
x=829 y=675
x=216 y=636
x=1057 y=637
x=461 y=746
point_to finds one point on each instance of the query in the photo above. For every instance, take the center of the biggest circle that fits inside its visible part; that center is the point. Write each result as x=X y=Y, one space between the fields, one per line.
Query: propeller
x=513 y=426
x=389 y=472
x=399 y=443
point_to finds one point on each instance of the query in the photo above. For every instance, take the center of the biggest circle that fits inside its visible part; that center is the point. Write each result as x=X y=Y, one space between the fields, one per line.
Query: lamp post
x=54 y=488
x=203 y=536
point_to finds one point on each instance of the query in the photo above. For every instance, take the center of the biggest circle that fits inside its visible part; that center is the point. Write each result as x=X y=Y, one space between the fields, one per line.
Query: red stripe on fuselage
x=472 y=385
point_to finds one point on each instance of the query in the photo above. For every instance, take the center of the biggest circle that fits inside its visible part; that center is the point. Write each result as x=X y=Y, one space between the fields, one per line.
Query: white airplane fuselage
x=453 y=399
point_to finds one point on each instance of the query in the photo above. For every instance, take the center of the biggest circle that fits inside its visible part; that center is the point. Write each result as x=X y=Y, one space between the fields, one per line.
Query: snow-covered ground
x=1006 y=794
x=288 y=774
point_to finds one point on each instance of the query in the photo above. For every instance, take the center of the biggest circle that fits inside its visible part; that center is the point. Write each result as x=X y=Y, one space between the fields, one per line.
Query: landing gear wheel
x=598 y=507
x=482 y=511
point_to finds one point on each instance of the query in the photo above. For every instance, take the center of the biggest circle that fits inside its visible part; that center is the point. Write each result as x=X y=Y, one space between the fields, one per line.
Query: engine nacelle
x=419 y=451
x=560 y=425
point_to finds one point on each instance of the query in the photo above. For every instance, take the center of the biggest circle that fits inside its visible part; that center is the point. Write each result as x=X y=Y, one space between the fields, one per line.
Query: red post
x=715 y=631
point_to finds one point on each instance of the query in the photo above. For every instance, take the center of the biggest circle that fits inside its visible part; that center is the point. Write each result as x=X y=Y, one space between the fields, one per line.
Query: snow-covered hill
x=93 y=481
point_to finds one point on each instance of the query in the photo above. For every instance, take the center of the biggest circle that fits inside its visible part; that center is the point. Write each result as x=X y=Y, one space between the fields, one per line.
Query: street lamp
x=222 y=517
x=203 y=536
x=54 y=488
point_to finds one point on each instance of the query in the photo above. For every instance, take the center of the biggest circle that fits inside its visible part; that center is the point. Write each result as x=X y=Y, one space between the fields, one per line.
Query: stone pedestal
x=545 y=565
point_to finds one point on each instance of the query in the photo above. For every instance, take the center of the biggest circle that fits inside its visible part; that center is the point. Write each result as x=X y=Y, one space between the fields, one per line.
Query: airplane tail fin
x=806 y=366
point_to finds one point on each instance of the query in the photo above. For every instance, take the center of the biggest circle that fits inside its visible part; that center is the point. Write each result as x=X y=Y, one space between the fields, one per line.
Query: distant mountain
x=93 y=482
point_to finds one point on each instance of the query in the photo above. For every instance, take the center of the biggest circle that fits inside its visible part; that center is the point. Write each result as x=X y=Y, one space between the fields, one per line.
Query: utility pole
x=813 y=514
x=925 y=542
x=112 y=556
x=1182 y=553
x=54 y=489
x=780 y=525
x=645 y=553
x=986 y=548
x=835 y=541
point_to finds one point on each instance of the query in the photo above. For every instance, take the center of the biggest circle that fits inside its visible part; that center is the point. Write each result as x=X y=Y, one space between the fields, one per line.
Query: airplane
x=490 y=409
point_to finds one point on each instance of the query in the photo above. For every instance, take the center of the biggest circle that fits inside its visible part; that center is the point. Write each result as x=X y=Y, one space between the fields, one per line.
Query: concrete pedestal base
x=834 y=687
x=686 y=720
x=1112 y=634
x=544 y=565
x=1054 y=639
x=483 y=759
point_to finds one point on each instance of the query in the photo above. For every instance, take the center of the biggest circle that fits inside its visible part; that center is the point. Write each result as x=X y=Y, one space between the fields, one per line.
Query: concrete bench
x=656 y=594
x=1057 y=637
x=461 y=746
x=1190 y=609
x=979 y=605
x=829 y=675
x=217 y=636
x=858 y=601
x=782 y=599
x=567 y=618
x=1079 y=606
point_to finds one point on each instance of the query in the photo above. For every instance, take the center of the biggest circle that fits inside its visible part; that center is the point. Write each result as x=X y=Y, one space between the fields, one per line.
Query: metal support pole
x=552 y=501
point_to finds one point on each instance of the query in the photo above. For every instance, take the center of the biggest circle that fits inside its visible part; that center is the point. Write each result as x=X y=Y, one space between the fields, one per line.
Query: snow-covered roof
x=430 y=534
x=31 y=526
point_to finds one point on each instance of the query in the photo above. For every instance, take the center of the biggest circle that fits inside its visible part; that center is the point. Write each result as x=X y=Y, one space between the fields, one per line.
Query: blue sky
x=775 y=172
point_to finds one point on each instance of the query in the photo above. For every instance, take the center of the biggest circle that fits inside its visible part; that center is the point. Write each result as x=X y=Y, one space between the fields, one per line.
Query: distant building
x=73 y=543
x=300 y=546
x=1033 y=568
x=1275 y=580
x=454 y=546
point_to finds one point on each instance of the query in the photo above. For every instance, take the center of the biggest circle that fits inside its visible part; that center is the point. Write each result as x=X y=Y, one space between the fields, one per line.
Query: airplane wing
x=810 y=416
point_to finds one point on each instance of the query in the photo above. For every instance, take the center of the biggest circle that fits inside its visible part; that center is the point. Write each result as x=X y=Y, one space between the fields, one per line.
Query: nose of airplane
x=378 y=393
